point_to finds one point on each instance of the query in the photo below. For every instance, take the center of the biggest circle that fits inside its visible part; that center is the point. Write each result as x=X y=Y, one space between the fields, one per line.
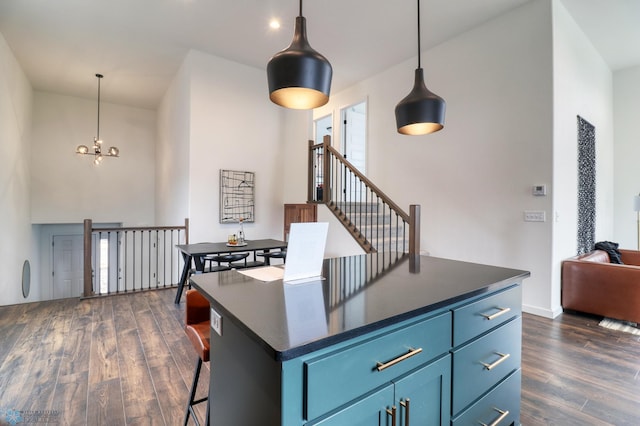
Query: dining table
x=195 y=254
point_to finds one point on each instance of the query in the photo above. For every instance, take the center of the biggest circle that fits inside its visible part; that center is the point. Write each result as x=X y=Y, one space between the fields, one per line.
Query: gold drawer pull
x=392 y=413
x=412 y=352
x=503 y=357
x=405 y=404
x=501 y=311
x=503 y=414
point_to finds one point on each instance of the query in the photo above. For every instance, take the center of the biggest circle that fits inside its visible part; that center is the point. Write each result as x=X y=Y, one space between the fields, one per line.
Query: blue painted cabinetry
x=486 y=361
x=379 y=341
x=410 y=363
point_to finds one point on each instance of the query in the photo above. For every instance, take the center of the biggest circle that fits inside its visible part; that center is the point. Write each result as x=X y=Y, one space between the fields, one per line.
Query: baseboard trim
x=542 y=312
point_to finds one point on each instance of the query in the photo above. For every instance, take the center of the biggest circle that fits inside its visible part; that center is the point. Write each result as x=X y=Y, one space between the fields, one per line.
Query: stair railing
x=368 y=214
x=121 y=260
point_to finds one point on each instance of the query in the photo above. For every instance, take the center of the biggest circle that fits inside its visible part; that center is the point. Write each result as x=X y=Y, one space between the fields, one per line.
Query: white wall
x=297 y=130
x=172 y=152
x=582 y=86
x=15 y=136
x=233 y=126
x=339 y=241
x=68 y=188
x=627 y=155
x=473 y=179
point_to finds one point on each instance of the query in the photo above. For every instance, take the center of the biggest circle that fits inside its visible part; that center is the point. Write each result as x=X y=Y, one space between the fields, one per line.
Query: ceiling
x=139 y=44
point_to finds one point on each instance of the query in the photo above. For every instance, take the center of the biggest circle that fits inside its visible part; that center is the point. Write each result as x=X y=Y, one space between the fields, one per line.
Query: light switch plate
x=216 y=322
x=535 y=216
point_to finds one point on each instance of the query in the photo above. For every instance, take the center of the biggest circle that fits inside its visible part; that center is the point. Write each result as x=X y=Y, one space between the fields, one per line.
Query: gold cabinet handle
x=503 y=414
x=503 y=357
x=405 y=404
x=381 y=366
x=501 y=311
x=392 y=413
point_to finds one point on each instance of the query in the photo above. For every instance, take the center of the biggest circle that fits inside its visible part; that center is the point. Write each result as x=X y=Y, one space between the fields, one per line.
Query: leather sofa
x=592 y=285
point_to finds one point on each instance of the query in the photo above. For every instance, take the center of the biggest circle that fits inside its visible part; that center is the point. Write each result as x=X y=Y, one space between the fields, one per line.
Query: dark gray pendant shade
x=421 y=111
x=298 y=76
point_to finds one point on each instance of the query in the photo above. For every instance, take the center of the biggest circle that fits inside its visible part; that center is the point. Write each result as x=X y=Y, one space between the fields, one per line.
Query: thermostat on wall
x=539 y=189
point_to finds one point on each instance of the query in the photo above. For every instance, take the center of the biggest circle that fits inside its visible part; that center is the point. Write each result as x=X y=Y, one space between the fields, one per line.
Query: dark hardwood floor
x=125 y=360
x=575 y=372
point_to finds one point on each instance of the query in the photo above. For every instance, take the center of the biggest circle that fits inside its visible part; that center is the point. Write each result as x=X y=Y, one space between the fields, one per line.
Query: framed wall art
x=237 y=196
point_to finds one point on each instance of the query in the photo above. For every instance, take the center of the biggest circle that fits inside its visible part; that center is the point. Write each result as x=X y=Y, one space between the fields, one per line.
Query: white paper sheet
x=265 y=273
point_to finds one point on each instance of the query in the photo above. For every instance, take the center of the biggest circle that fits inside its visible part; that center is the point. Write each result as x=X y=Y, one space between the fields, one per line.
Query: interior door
x=68 y=251
x=354 y=125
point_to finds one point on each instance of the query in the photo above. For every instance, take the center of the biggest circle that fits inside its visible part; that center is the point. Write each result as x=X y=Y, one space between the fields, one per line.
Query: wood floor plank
x=169 y=382
x=9 y=335
x=70 y=398
x=35 y=358
x=575 y=372
x=104 y=406
x=125 y=360
x=138 y=391
x=105 y=400
x=72 y=386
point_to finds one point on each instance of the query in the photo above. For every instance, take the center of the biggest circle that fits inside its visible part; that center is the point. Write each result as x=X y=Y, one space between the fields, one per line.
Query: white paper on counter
x=265 y=273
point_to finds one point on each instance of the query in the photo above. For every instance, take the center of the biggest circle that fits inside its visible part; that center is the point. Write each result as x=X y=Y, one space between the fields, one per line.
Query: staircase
x=372 y=218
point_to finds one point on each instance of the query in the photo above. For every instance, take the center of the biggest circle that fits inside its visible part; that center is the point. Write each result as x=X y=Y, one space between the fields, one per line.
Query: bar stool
x=197 y=315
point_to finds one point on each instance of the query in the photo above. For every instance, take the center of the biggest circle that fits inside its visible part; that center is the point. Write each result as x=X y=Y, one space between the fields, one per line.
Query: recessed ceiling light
x=274 y=24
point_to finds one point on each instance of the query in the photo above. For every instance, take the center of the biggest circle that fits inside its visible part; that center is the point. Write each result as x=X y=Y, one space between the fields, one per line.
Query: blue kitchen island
x=383 y=339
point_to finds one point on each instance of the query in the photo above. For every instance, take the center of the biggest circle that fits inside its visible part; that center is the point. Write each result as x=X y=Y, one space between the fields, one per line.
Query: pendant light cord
x=300 y=7
x=418 y=33
x=98 y=135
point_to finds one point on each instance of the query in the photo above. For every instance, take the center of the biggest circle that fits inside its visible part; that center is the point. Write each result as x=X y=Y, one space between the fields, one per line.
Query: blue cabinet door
x=423 y=397
x=370 y=410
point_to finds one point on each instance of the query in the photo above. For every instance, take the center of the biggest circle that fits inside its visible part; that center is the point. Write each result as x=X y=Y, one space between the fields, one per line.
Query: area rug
x=620 y=326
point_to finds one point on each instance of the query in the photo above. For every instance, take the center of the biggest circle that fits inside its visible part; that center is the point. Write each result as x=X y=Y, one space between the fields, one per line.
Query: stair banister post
x=311 y=183
x=327 y=185
x=414 y=229
x=88 y=276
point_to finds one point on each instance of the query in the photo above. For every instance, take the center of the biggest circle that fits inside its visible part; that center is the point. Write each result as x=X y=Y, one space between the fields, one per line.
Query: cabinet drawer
x=482 y=315
x=341 y=376
x=482 y=363
x=503 y=401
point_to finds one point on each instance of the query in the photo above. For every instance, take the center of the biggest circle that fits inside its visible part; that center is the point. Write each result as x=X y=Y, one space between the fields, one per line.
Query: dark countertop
x=359 y=294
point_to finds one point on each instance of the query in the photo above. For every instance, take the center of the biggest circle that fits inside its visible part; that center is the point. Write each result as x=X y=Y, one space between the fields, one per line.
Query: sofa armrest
x=605 y=289
x=630 y=257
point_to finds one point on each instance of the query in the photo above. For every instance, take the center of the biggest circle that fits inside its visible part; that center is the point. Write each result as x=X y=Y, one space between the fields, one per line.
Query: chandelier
x=96 y=150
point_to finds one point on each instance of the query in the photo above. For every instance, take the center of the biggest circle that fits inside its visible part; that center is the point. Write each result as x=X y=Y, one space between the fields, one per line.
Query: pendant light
x=421 y=111
x=97 y=142
x=298 y=76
